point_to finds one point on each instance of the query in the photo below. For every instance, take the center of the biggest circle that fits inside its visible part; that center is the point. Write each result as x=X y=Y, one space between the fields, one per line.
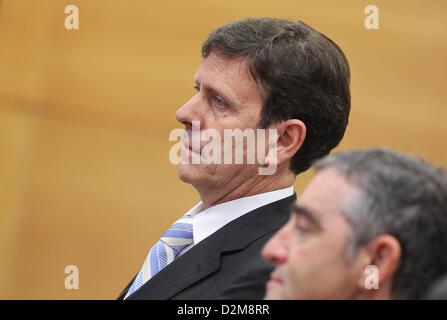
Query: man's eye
x=219 y=102
x=303 y=225
x=303 y=229
x=196 y=88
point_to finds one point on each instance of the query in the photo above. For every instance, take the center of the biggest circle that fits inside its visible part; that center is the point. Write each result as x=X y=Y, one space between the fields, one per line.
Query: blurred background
x=85 y=116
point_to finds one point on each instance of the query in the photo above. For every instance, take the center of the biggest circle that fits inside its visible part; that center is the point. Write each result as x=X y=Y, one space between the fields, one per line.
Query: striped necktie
x=173 y=241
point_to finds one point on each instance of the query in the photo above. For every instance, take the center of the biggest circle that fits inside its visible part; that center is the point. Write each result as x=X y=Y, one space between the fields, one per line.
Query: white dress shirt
x=206 y=222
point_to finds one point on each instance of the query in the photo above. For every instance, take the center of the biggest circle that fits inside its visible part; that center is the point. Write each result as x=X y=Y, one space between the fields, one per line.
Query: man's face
x=227 y=98
x=310 y=250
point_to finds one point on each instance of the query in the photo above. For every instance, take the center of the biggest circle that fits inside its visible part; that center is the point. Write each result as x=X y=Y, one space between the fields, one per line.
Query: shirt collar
x=208 y=221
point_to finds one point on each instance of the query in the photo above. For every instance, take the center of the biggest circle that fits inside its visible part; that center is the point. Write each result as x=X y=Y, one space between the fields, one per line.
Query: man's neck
x=246 y=189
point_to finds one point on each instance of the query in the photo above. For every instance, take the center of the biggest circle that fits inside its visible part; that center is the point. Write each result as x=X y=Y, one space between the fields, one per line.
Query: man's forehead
x=327 y=193
x=232 y=77
x=219 y=65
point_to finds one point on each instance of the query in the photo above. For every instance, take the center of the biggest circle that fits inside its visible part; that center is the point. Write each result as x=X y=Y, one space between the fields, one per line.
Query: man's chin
x=273 y=292
x=188 y=173
x=184 y=173
x=273 y=296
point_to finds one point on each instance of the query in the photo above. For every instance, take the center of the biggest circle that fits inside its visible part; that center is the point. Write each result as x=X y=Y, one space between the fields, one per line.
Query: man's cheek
x=292 y=277
x=304 y=266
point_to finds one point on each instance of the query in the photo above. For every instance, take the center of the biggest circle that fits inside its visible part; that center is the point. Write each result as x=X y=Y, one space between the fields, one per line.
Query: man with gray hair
x=371 y=225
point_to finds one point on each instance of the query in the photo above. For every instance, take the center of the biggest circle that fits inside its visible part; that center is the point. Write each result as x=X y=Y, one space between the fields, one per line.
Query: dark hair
x=305 y=76
x=404 y=197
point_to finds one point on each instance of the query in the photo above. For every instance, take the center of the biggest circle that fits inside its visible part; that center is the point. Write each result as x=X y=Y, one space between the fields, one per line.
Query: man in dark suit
x=257 y=75
x=376 y=219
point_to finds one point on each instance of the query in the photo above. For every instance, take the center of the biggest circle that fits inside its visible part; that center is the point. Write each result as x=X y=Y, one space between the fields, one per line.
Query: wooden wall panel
x=85 y=117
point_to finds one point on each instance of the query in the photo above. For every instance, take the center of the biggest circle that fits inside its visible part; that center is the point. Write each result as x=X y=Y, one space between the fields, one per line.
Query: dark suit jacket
x=225 y=265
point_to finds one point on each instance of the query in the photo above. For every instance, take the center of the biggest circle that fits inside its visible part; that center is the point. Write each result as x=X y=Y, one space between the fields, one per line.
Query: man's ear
x=291 y=135
x=384 y=253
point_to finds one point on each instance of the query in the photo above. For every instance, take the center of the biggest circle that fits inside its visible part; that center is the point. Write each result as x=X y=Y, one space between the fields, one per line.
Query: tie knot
x=180 y=234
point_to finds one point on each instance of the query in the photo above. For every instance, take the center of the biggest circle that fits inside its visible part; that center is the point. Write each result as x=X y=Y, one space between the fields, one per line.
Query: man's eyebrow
x=215 y=91
x=306 y=212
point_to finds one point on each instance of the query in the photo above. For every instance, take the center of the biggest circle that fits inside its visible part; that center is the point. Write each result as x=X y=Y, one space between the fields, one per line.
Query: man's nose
x=275 y=250
x=187 y=112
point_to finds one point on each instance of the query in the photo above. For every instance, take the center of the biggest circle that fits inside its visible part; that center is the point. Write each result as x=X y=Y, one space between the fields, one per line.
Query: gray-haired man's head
x=374 y=207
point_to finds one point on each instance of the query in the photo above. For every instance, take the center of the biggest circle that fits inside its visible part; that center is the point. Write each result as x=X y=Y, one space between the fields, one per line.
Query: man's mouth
x=275 y=279
x=188 y=145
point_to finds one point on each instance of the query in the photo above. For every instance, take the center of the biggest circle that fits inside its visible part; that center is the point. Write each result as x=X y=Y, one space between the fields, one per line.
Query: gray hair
x=402 y=196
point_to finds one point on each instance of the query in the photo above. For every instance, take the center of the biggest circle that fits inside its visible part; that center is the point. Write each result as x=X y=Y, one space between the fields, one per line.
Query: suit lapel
x=204 y=258
x=255 y=224
x=124 y=292
x=200 y=261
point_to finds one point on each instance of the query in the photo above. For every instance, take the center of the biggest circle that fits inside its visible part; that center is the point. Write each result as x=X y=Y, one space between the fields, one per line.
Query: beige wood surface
x=85 y=116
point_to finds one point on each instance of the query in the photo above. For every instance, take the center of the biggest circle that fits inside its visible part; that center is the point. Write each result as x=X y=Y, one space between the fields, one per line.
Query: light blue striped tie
x=172 y=242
